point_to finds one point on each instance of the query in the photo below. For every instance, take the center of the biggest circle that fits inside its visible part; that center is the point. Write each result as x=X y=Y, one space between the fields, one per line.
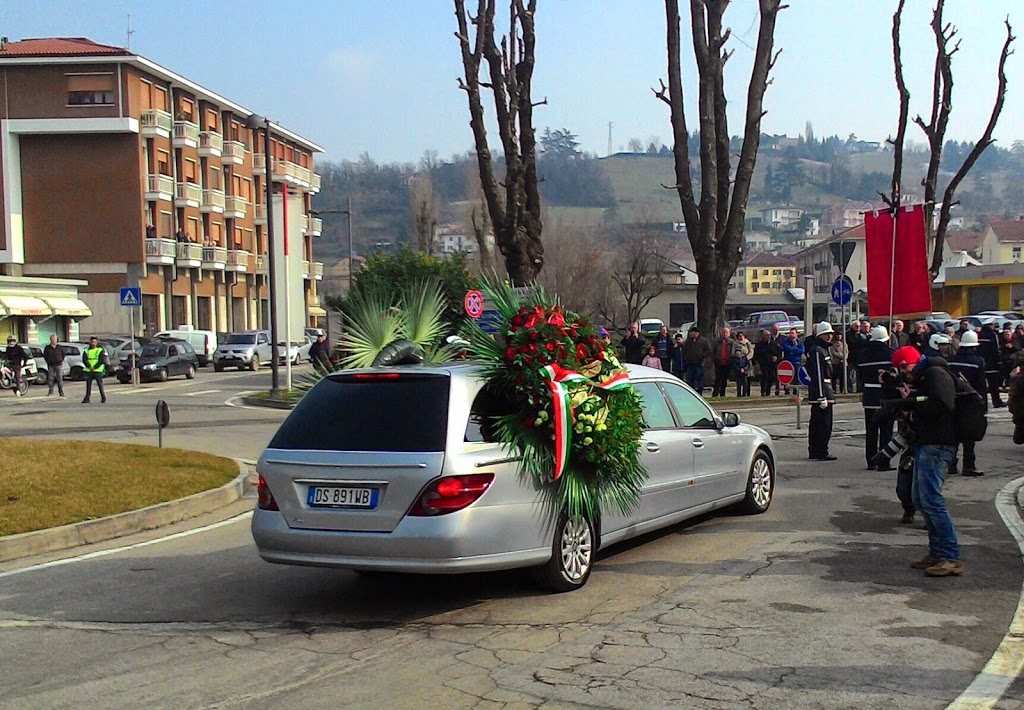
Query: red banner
x=902 y=261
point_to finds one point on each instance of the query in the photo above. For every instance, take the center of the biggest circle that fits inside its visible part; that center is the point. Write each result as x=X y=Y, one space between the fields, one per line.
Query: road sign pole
x=135 y=370
x=796 y=400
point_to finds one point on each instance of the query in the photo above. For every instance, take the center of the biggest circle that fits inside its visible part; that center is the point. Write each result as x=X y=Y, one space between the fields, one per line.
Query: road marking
x=125 y=548
x=232 y=401
x=196 y=394
x=1007 y=662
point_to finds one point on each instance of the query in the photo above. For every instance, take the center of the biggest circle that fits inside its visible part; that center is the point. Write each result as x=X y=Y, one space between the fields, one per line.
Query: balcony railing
x=238 y=260
x=304 y=223
x=316 y=226
x=211 y=144
x=235 y=206
x=215 y=257
x=160 y=251
x=186 y=134
x=155 y=123
x=189 y=254
x=213 y=201
x=261 y=264
x=314 y=183
x=234 y=152
x=260 y=212
x=318 y=270
x=188 y=194
x=291 y=173
x=259 y=164
x=159 y=187
x=306 y=274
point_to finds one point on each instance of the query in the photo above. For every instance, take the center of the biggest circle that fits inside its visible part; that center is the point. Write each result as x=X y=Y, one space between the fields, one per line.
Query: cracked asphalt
x=811 y=605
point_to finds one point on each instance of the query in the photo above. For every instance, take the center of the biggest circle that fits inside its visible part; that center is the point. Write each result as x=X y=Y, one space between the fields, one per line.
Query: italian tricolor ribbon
x=557 y=377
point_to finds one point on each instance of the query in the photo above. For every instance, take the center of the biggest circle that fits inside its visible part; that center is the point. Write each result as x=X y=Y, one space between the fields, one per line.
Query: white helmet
x=969 y=339
x=823 y=328
x=879 y=334
x=938 y=339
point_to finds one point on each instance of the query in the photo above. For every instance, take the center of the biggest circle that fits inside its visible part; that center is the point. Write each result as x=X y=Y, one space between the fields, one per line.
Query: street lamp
x=318 y=213
x=256 y=122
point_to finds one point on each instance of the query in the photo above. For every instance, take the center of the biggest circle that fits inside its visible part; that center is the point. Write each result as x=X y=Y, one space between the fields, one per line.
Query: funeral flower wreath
x=575 y=419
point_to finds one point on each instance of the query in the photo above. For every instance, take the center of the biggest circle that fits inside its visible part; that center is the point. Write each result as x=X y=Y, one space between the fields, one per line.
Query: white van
x=204 y=342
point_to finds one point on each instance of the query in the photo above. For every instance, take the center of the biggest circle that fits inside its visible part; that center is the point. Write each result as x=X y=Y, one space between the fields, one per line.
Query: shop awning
x=74 y=307
x=317 y=311
x=25 y=306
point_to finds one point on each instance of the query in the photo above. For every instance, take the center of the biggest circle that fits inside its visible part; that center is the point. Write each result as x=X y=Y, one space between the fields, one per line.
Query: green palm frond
x=372 y=325
x=421 y=313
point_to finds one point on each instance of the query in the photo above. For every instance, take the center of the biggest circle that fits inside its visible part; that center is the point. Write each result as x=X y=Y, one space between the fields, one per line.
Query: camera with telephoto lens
x=894 y=377
x=902 y=440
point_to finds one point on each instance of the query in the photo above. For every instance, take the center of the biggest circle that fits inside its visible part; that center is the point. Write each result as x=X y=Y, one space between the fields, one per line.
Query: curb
x=268 y=403
x=37 y=542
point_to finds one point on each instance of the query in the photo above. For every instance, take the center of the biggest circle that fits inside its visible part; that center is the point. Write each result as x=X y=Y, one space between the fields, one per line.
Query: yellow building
x=989 y=287
x=764 y=273
x=1003 y=242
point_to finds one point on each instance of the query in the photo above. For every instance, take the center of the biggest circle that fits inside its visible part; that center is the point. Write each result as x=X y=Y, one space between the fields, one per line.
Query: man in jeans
x=931 y=406
x=723 y=362
x=53 y=354
x=696 y=350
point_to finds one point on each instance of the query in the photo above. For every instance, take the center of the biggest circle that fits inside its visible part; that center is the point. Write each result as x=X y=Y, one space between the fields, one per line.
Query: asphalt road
x=811 y=605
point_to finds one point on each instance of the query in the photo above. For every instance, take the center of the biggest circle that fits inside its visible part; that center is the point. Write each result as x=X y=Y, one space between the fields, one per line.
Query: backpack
x=969 y=422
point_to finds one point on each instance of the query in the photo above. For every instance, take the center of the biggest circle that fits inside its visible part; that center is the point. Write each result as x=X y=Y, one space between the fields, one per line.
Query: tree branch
x=893 y=200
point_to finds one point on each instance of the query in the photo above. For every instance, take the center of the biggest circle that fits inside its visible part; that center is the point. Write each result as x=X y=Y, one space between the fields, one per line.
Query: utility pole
x=128 y=38
x=609 y=137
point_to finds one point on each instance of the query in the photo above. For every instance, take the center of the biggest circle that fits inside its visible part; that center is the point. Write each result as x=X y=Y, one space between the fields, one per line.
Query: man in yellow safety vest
x=94 y=362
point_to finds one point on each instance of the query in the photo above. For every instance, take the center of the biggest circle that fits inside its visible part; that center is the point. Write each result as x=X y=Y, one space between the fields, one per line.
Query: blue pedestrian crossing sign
x=131 y=296
x=842 y=290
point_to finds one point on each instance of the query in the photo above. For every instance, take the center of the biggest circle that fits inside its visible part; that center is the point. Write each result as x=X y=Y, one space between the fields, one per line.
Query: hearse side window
x=481 y=425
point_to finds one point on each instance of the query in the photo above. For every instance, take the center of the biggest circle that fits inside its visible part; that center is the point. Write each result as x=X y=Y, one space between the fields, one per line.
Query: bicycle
x=7 y=380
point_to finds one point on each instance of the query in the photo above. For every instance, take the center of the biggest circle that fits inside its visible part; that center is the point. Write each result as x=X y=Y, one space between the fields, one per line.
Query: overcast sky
x=380 y=77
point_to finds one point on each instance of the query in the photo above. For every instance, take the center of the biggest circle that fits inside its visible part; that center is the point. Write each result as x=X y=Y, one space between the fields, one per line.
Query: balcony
x=211 y=144
x=187 y=194
x=186 y=134
x=261 y=264
x=238 y=260
x=260 y=213
x=234 y=153
x=160 y=251
x=190 y=255
x=215 y=258
x=318 y=270
x=259 y=164
x=314 y=183
x=213 y=201
x=312 y=299
x=159 y=187
x=235 y=207
x=306 y=271
x=155 y=123
x=304 y=223
x=291 y=173
x=316 y=226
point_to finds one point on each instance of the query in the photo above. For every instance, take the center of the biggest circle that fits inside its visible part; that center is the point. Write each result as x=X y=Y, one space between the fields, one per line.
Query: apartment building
x=118 y=172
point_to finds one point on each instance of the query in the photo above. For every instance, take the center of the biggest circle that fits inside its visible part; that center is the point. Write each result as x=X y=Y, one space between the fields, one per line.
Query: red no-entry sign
x=786 y=372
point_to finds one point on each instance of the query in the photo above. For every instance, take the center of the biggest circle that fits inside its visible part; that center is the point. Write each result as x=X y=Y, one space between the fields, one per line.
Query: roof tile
x=59 y=47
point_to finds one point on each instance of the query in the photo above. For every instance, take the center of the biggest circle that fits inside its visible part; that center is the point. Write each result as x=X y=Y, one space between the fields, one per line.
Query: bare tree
x=636 y=145
x=714 y=225
x=480 y=222
x=935 y=128
x=513 y=205
x=574 y=266
x=635 y=275
x=426 y=206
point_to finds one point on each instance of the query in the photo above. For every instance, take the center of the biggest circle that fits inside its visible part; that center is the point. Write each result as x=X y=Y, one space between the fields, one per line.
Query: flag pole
x=892 y=264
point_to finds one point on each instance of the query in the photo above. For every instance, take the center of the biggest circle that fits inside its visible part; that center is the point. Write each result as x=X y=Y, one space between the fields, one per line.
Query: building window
x=91 y=89
x=1015 y=255
x=753 y=287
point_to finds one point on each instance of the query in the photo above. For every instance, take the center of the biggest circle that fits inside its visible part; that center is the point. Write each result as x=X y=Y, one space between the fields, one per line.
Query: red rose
x=528 y=422
x=523 y=350
x=556 y=319
x=561 y=354
x=550 y=346
x=532 y=321
x=582 y=352
x=532 y=347
x=517 y=320
x=527 y=359
x=510 y=353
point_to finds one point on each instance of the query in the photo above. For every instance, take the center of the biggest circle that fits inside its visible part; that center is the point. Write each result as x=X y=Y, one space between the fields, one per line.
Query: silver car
x=397 y=470
x=248 y=349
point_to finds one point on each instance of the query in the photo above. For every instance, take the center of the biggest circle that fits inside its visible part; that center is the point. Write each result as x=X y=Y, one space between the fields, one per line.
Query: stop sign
x=786 y=372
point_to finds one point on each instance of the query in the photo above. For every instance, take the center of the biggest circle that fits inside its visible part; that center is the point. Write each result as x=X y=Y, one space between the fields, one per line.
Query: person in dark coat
x=767 y=355
x=320 y=355
x=820 y=394
x=875 y=358
x=988 y=349
x=899 y=336
x=633 y=345
x=722 y=355
x=968 y=363
x=696 y=351
x=53 y=354
x=16 y=357
x=678 y=365
x=663 y=346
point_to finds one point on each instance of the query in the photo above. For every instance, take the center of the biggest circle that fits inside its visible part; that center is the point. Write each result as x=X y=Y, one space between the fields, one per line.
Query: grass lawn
x=46 y=483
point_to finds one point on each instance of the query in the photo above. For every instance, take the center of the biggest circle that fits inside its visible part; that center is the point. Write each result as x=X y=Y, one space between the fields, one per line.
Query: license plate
x=338 y=497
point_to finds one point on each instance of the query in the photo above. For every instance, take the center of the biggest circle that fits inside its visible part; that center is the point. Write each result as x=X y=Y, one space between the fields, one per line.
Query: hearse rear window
x=387 y=411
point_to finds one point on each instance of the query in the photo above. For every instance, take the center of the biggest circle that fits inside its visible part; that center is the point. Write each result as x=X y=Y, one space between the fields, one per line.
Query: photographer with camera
x=930 y=408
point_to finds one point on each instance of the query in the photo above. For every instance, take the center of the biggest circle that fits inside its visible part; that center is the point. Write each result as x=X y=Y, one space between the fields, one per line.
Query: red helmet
x=907 y=355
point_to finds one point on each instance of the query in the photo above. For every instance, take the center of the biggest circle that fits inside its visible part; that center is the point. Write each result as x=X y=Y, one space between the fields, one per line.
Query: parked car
x=163 y=359
x=249 y=348
x=314 y=332
x=344 y=483
x=979 y=320
x=122 y=345
x=298 y=351
x=204 y=342
x=1008 y=315
x=764 y=320
x=29 y=370
x=650 y=326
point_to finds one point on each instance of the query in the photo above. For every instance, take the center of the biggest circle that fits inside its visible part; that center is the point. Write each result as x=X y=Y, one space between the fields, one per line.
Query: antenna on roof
x=128 y=38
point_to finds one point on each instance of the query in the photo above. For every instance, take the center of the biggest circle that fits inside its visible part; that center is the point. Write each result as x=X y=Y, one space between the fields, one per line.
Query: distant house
x=764 y=273
x=782 y=217
x=756 y=241
x=452 y=238
x=1003 y=241
x=969 y=242
x=676 y=305
x=819 y=261
x=844 y=215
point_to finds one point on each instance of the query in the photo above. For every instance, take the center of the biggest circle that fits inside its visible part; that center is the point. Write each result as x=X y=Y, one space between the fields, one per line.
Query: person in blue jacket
x=793 y=350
